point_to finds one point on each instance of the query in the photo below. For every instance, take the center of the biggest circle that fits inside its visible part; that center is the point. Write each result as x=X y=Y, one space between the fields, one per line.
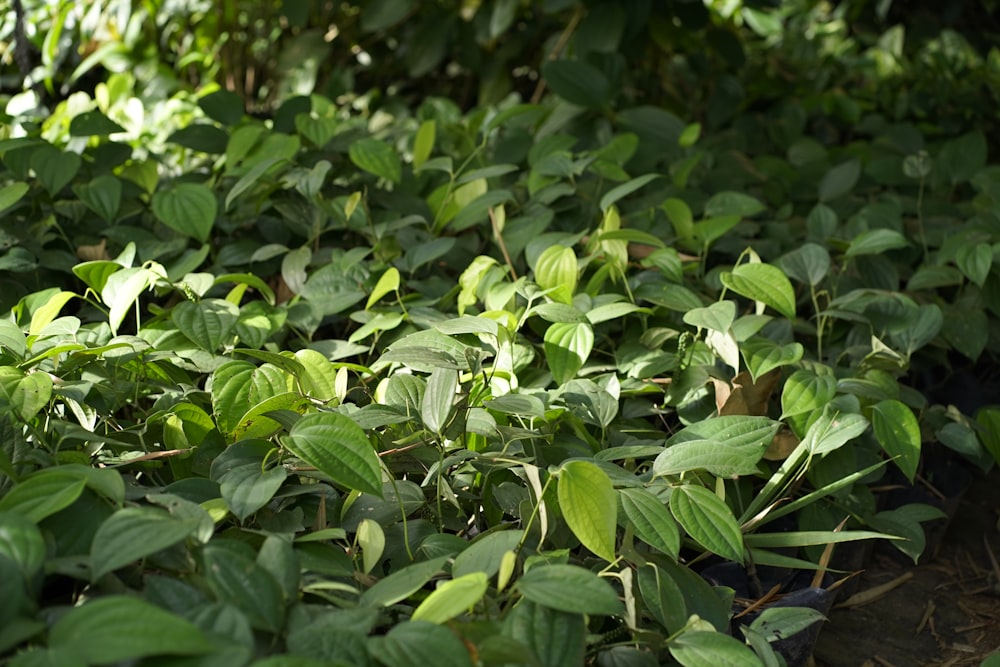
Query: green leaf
x=201 y=137
x=486 y=553
x=230 y=387
x=707 y=520
x=569 y=588
x=805 y=391
x=246 y=488
x=764 y=283
x=376 y=157
x=423 y=142
x=236 y=578
x=249 y=179
x=121 y=290
x=371 y=539
x=419 y=644
x=962 y=158
x=556 y=638
x=439 y=398
x=402 y=583
x=975 y=261
x=318 y=377
x=733 y=203
x=988 y=421
x=21 y=541
x=11 y=194
x=696 y=648
x=898 y=432
x=966 y=330
x=710 y=230
x=54 y=168
x=556 y=270
x=208 y=323
x=875 y=242
x=567 y=346
x=116 y=628
x=807 y=264
x=578 y=83
x=338 y=448
x=782 y=622
x=93 y=124
x=839 y=181
x=223 y=106
x=43 y=494
x=612 y=311
x=734 y=453
x=625 y=189
x=832 y=430
x=12 y=339
x=317 y=130
x=133 y=533
x=718 y=316
x=189 y=208
x=103 y=195
x=587 y=501
x=30 y=395
x=808 y=538
x=452 y=598
x=651 y=520
x=763 y=355
x=389 y=282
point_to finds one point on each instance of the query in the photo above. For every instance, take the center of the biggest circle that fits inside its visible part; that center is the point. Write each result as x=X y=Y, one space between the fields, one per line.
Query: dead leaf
x=781 y=447
x=92 y=253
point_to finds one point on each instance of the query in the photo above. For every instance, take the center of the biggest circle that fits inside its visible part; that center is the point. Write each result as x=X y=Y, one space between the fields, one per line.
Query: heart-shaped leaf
x=207 y=323
x=189 y=208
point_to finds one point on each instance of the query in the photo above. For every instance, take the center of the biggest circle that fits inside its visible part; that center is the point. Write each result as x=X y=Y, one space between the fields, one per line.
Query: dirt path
x=943 y=613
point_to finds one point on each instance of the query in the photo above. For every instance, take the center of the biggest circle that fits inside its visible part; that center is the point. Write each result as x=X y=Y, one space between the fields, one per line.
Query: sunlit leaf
x=587 y=501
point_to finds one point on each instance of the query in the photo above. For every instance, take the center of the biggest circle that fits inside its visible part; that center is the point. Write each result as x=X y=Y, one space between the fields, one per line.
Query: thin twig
x=502 y=244
x=536 y=96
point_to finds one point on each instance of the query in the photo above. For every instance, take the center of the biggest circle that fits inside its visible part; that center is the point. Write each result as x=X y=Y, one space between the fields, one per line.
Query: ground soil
x=944 y=612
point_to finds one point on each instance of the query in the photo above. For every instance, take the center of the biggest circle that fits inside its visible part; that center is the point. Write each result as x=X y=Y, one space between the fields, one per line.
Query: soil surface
x=944 y=612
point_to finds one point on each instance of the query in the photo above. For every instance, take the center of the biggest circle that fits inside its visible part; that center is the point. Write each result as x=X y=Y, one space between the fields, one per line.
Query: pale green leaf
x=764 y=283
x=567 y=347
x=452 y=598
x=587 y=501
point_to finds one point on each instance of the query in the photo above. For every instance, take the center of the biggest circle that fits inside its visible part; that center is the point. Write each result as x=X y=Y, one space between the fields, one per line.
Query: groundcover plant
x=406 y=385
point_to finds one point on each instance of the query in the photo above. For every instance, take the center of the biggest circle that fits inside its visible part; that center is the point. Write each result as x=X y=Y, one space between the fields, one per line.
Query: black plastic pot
x=795 y=591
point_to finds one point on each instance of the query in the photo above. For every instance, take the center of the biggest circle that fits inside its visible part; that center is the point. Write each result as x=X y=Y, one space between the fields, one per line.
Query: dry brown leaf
x=92 y=253
x=781 y=447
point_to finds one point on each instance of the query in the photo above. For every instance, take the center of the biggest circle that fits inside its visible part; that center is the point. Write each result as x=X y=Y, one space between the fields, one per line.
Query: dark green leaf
x=578 y=83
x=897 y=430
x=338 y=448
x=132 y=534
x=93 y=123
x=569 y=588
x=378 y=158
x=189 y=208
x=116 y=628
